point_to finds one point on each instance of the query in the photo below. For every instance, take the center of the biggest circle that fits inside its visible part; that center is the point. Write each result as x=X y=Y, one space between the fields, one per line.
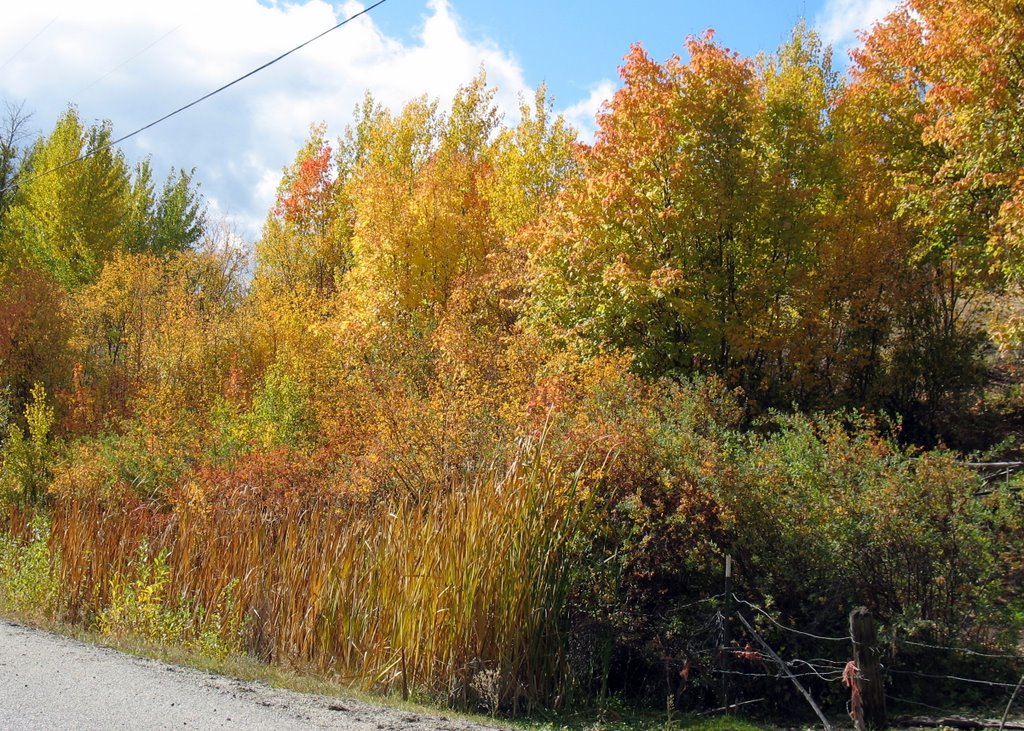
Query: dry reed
x=430 y=594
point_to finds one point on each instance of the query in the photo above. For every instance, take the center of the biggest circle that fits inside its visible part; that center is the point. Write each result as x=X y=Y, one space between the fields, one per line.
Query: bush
x=139 y=606
x=29 y=581
x=27 y=457
x=820 y=513
x=135 y=461
x=831 y=513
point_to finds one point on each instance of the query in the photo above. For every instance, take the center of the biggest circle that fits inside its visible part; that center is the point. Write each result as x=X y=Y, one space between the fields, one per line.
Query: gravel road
x=49 y=681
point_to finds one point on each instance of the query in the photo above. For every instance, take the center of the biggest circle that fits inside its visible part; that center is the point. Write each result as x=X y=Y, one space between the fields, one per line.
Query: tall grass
x=458 y=595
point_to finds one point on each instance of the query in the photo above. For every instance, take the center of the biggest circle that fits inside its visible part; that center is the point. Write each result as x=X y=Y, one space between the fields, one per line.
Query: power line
x=125 y=62
x=191 y=104
x=28 y=43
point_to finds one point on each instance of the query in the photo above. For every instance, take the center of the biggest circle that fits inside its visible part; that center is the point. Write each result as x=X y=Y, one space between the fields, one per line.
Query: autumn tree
x=306 y=238
x=920 y=184
x=530 y=163
x=117 y=319
x=35 y=324
x=696 y=214
x=408 y=357
x=830 y=191
x=12 y=135
x=72 y=208
x=798 y=160
x=421 y=220
x=154 y=331
x=78 y=204
x=201 y=333
x=966 y=62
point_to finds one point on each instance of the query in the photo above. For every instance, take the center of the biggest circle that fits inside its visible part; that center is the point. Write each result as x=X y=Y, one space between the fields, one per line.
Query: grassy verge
x=242 y=667
x=139 y=622
x=248 y=668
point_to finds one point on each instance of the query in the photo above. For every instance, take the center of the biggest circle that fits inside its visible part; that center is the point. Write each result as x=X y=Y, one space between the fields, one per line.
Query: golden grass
x=457 y=595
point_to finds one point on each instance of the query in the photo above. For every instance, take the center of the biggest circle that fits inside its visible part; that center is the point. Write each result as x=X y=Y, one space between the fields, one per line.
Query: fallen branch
x=1002 y=723
x=957 y=722
x=730 y=707
x=785 y=668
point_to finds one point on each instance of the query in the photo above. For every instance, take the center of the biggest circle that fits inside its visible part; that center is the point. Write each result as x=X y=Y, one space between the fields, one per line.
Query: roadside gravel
x=49 y=681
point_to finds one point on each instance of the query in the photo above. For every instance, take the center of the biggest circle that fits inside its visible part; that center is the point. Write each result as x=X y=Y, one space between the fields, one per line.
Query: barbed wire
x=896 y=638
x=773 y=676
x=831 y=670
x=963 y=650
x=714 y=598
x=838 y=673
x=918 y=703
x=836 y=663
x=701 y=642
x=789 y=629
x=992 y=683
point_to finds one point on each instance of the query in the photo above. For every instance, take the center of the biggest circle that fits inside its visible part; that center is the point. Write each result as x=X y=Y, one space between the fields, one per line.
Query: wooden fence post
x=726 y=648
x=869 y=670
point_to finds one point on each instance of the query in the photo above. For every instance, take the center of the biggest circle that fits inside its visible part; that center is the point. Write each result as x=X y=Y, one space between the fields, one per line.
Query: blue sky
x=573 y=44
x=132 y=61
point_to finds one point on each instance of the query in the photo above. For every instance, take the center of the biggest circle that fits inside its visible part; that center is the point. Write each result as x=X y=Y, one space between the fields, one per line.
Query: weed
x=28 y=581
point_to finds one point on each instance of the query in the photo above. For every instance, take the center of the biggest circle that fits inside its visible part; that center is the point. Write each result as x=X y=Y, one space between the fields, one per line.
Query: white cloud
x=583 y=114
x=840 y=21
x=132 y=62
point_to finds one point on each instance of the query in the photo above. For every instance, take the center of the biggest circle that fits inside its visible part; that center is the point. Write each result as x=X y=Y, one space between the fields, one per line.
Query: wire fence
x=788 y=629
x=741 y=661
x=960 y=650
x=717 y=647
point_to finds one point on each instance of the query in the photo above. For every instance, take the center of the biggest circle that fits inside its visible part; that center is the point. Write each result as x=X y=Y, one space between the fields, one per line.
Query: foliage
x=35 y=326
x=140 y=608
x=155 y=330
x=320 y=577
x=529 y=165
x=79 y=205
x=709 y=231
x=900 y=532
x=135 y=461
x=68 y=222
x=28 y=581
x=306 y=241
x=820 y=514
x=422 y=223
x=162 y=224
x=26 y=460
x=964 y=61
x=494 y=403
x=277 y=417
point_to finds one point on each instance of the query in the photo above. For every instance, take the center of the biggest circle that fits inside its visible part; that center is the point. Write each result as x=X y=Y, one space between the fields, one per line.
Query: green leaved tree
x=74 y=202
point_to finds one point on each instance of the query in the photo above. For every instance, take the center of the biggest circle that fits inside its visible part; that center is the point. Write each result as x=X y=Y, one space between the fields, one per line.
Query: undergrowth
x=28 y=571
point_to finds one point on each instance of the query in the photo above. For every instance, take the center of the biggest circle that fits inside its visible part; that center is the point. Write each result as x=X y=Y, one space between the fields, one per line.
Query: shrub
x=27 y=457
x=140 y=606
x=28 y=578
